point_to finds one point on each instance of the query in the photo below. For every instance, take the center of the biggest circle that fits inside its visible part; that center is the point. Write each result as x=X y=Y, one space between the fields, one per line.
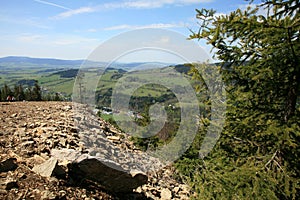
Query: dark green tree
x=258 y=153
x=28 y=94
x=6 y=91
x=57 y=97
x=19 y=93
x=36 y=92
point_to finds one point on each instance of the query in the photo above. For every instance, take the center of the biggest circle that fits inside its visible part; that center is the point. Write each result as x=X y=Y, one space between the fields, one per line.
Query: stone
x=47 y=168
x=65 y=154
x=43 y=124
x=32 y=125
x=113 y=138
x=8 y=165
x=27 y=143
x=165 y=194
x=47 y=195
x=149 y=195
x=14 y=115
x=67 y=108
x=176 y=189
x=37 y=159
x=109 y=174
x=100 y=155
x=138 y=190
x=63 y=142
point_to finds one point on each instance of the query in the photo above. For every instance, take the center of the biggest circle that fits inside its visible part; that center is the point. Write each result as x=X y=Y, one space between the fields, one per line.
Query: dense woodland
x=27 y=93
x=258 y=153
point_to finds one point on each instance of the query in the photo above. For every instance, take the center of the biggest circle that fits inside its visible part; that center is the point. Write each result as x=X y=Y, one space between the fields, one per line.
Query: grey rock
x=165 y=194
x=108 y=173
x=65 y=154
x=176 y=189
x=113 y=138
x=47 y=168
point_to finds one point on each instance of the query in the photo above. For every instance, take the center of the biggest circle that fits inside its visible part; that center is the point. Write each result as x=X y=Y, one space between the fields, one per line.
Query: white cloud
x=119 y=27
x=75 y=12
x=148 y=4
x=131 y=27
x=160 y=3
x=134 y=4
x=52 y=4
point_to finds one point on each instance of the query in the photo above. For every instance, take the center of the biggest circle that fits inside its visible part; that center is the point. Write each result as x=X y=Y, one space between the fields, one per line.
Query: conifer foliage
x=258 y=153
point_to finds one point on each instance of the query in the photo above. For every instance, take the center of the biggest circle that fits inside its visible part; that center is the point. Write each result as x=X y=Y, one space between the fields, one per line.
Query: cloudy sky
x=72 y=29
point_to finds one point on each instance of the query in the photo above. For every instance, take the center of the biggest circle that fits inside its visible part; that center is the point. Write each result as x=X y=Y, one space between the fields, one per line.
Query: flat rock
x=47 y=168
x=165 y=194
x=110 y=175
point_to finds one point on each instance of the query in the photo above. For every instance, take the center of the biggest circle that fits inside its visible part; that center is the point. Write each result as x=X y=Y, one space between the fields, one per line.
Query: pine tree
x=258 y=153
x=28 y=94
x=21 y=94
x=6 y=91
x=36 y=92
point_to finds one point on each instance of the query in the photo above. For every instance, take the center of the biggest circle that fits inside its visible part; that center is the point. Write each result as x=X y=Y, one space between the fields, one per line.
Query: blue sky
x=73 y=29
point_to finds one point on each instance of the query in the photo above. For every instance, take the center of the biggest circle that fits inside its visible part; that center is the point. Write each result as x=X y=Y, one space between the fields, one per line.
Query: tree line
x=26 y=93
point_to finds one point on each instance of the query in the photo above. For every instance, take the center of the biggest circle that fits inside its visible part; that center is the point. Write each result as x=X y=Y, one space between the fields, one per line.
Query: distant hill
x=140 y=65
x=19 y=61
x=40 y=61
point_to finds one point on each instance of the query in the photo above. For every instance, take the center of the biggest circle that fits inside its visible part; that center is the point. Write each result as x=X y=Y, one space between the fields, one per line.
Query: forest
x=27 y=93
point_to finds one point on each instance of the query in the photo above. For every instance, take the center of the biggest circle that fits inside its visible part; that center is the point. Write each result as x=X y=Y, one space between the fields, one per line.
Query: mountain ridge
x=78 y=62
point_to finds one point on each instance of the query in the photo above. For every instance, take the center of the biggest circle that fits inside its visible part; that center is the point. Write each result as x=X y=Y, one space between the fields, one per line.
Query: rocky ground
x=49 y=151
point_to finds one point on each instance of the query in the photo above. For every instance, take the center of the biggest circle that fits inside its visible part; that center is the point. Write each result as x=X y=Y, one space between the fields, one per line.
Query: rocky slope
x=48 y=151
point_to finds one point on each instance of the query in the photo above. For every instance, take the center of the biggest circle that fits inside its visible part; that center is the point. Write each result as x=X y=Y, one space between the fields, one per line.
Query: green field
x=149 y=84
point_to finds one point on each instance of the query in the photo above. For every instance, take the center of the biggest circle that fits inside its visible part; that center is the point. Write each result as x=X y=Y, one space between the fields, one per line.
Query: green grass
x=54 y=83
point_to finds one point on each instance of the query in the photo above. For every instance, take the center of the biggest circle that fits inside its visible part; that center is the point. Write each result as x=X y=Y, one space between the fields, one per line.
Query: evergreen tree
x=16 y=92
x=258 y=153
x=28 y=94
x=56 y=97
x=36 y=92
x=21 y=95
x=6 y=91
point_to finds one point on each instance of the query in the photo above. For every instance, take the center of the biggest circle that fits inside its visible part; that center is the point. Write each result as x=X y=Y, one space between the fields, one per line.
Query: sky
x=73 y=29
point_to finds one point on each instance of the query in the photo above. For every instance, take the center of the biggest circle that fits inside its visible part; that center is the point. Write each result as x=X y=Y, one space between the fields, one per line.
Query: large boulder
x=112 y=176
